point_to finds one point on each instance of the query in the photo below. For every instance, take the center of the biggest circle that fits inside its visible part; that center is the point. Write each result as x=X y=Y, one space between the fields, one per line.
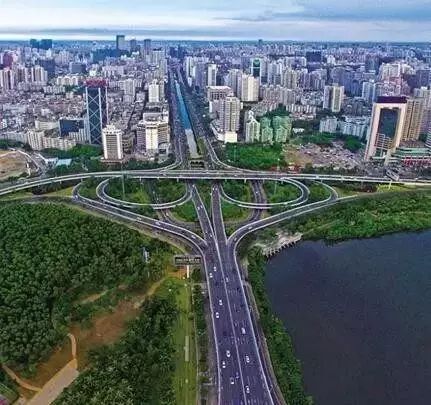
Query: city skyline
x=296 y=20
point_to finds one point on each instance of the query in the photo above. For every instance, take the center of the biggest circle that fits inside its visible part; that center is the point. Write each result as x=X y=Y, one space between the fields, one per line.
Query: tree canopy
x=49 y=255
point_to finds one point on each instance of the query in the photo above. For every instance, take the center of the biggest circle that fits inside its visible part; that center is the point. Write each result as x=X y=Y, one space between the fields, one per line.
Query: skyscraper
x=387 y=123
x=212 y=74
x=155 y=91
x=121 y=43
x=134 y=47
x=233 y=80
x=413 y=122
x=256 y=68
x=369 y=90
x=147 y=46
x=425 y=94
x=252 y=129
x=290 y=78
x=45 y=44
x=333 y=98
x=249 y=88
x=230 y=109
x=112 y=143
x=152 y=131
x=266 y=131
x=96 y=95
x=7 y=79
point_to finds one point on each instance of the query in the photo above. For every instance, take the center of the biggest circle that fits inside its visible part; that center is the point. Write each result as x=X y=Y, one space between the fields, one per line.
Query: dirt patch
x=107 y=328
x=54 y=388
x=294 y=156
x=11 y=164
x=93 y=297
x=47 y=369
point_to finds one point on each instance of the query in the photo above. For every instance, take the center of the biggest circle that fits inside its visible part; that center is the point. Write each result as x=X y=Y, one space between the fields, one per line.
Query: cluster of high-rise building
x=266 y=130
x=56 y=96
x=85 y=88
x=346 y=87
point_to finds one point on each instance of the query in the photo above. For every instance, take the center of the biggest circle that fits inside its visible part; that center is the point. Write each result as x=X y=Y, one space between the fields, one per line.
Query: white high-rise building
x=386 y=129
x=38 y=74
x=212 y=74
x=333 y=97
x=249 y=88
x=112 y=139
x=369 y=92
x=121 y=43
x=215 y=94
x=152 y=132
x=230 y=109
x=154 y=95
x=7 y=79
x=425 y=94
x=129 y=87
x=290 y=78
x=233 y=80
x=390 y=70
x=414 y=116
x=252 y=129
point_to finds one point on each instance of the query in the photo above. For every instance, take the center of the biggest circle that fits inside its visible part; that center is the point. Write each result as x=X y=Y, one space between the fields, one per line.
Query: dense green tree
x=49 y=255
x=138 y=369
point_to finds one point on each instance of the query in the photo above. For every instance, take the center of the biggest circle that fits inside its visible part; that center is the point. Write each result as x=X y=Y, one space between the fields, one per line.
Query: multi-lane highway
x=186 y=174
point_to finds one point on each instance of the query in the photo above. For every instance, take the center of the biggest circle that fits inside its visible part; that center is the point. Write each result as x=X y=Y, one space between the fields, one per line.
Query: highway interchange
x=243 y=372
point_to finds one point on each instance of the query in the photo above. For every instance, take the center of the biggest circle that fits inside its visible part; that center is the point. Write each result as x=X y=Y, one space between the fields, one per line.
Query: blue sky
x=379 y=20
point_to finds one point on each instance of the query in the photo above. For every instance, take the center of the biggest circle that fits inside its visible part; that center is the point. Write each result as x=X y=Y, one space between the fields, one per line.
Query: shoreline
x=286 y=365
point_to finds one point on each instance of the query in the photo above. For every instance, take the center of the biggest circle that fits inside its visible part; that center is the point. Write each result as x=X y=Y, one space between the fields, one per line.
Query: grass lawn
x=64 y=192
x=254 y=156
x=278 y=192
x=139 y=196
x=88 y=188
x=232 y=212
x=318 y=192
x=384 y=188
x=16 y=196
x=238 y=190
x=343 y=192
x=186 y=212
x=185 y=378
x=168 y=190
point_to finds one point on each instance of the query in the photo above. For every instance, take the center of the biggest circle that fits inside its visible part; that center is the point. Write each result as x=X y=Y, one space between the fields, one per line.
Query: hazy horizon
x=299 y=20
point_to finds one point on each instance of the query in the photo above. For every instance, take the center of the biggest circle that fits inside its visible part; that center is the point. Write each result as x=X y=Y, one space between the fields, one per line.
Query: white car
x=220 y=302
x=232 y=381
x=217 y=315
x=247 y=389
x=247 y=359
x=211 y=275
x=223 y=364
x=227 y=353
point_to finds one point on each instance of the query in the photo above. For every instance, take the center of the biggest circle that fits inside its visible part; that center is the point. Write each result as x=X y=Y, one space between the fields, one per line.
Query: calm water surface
x=359 y=313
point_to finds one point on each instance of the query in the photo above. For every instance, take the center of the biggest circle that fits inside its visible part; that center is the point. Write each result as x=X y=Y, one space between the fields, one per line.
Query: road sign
x=187 y=260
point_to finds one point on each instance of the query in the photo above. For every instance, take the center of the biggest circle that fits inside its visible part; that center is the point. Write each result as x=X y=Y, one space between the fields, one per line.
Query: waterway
x=359 y=313
x=185 y=119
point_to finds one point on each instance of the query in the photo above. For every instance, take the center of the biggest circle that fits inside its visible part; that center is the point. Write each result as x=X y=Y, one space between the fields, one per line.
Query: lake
x=359 y=313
